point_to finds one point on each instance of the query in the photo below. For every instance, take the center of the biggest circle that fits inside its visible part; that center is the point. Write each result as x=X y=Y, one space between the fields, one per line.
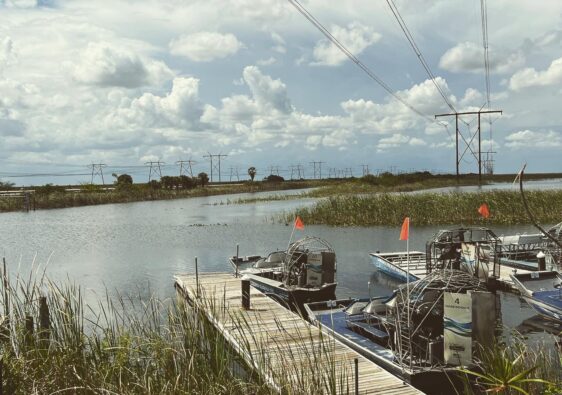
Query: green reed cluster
x=506 y=208
x=134 y=345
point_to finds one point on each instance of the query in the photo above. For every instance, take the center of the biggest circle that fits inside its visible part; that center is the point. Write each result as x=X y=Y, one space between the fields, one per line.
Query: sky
x=127 y=82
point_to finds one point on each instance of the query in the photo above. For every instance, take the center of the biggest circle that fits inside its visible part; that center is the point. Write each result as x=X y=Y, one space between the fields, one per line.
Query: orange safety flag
x=405 y=232
x=483 y=210
x=299 y=224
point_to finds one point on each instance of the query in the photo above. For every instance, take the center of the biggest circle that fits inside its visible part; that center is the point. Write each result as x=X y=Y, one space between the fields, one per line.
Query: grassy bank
x=506 y=208
x=57 y=197
x=131 y=345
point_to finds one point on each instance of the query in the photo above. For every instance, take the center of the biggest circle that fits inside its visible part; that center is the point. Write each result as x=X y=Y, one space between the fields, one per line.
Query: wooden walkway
x=287 y=351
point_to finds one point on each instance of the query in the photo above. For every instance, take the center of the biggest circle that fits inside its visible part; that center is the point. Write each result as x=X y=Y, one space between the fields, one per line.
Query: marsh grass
x=506 y=208
x=57 y=198
x=132 y=345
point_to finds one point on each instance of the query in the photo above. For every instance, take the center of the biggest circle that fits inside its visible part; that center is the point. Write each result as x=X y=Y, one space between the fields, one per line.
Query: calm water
x=137 y=247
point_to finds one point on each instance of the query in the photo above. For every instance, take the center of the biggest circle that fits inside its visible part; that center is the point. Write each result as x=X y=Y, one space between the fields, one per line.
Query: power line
x=300 y=8
x=417 y=51
x=317 y=170
x=97 y=170
x=155 y=168
x=186 y=167
x=217 y=165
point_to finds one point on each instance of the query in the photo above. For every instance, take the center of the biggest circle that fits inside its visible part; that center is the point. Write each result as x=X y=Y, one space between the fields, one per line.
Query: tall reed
x=132 y=345
x=506 y=208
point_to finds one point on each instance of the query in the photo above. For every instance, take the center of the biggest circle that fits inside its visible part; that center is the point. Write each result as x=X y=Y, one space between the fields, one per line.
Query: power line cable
x=300 y=8
x=417 y=51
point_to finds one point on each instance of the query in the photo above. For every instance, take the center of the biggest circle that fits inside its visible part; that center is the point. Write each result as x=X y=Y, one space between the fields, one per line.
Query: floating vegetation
x=506 y=208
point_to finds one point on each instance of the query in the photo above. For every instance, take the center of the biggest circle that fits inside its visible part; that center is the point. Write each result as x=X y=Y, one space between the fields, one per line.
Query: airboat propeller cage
x=311 y=262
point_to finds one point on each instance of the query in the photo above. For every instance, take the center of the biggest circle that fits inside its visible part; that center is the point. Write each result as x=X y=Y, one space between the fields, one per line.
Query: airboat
x=412 y=332
x=304 y=273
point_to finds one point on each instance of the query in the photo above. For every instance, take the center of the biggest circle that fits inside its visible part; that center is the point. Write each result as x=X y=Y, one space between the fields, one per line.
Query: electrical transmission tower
x=298 y=170
x=317 y=169
x=154 y=169
x=186 y=168
x=348 y=172
x=215 y=165
x=365 y=170
x=274 y=170
x=468 y=143
x=97 y=170
x=234 y=173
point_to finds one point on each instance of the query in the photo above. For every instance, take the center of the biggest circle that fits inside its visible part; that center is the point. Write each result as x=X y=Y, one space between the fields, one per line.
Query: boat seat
x=382 y=335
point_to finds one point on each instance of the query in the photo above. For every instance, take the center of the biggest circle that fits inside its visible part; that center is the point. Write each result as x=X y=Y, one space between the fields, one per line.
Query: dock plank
x=284 y=347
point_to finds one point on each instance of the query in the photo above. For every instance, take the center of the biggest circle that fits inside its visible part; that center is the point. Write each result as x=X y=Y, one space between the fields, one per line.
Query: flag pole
x=408 y=272
x=292 y=233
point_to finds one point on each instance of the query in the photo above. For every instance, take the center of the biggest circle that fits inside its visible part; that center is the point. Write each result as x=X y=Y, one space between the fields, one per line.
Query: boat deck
x=415 y=265
x=289 y=353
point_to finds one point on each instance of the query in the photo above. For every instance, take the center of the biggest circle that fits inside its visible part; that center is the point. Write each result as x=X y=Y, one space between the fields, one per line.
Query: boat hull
x=384 y=266
x=293 y=297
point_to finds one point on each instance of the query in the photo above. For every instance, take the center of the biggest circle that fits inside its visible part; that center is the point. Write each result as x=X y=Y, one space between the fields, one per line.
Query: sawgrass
x=506 y=208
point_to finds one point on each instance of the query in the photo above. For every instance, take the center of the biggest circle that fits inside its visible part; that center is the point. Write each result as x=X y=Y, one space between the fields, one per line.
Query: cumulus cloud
x=269 y=94
x=468 y=57
x=205 y=46
x=530 y=77
x=356 y=38
x=106 y=65
x=529 y=138
x=180 y=108
x=393 y=115
x=6 y=52
x=279 y=45
x=393 y=141
x=266 y=62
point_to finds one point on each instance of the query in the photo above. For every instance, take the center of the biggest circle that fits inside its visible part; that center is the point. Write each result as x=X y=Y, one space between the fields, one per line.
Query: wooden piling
x=44 y=318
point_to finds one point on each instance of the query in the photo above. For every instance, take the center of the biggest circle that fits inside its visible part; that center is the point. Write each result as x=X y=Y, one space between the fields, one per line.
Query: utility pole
x=216 y=165
x=478 y=156
x=365 y=170
x=234 y=173
x=274 y=170
x=97 y=170
x=317 y=170
x=186 y=167
x=300 y=170
x=154 y=169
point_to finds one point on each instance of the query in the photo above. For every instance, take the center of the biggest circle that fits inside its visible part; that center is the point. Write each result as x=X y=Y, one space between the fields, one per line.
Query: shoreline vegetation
x=133 y=344
x=506 y=208
x=366 y=201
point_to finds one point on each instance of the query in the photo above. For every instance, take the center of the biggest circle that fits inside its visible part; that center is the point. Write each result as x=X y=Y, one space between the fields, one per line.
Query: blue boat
x=542 y=290
x=397 y=264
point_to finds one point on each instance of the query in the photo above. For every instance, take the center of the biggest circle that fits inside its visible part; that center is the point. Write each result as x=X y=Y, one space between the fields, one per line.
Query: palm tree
x=252 y=172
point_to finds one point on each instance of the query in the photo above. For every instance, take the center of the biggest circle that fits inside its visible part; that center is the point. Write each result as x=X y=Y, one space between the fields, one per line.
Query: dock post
x=245 y=293
x=196 y=278
x=28 y=329
x=44 y=318
x=237 y=255
x=356 y=376
x=541 y=259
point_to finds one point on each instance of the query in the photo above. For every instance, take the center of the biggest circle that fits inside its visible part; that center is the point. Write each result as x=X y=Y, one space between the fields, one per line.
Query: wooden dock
x=289 y=353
